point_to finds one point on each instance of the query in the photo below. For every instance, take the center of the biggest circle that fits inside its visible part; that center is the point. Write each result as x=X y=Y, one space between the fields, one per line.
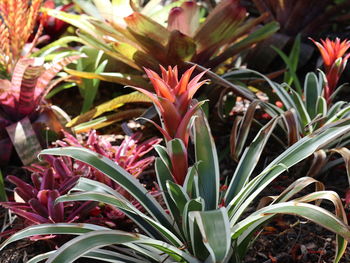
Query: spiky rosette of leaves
x=17 y=22
x=24 y=95
x=35 y=202
x=173 y=100
x=146 y=36
x=29 y=84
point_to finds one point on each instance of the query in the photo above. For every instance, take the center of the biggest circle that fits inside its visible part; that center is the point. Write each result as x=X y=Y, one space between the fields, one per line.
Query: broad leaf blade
x=215 y=230
x=248 y=161
x=208 y=165
x=311 y=93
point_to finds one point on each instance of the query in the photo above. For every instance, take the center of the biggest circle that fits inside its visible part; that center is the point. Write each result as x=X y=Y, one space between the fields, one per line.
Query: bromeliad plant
x=24 y=97
x=18 y=19
x=138 y=37
x=130 y=154
x=35 y=202
x=24 y=81
x=197 y=224
x=302 y=113
x=311 y=106
x=173 y=100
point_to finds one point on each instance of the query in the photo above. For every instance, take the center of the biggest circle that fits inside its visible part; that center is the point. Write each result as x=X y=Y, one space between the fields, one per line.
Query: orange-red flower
x=173 y=102
x=334 y=59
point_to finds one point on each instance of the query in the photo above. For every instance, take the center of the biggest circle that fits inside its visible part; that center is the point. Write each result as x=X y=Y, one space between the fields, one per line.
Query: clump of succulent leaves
x=35 y=201
x=197 y=223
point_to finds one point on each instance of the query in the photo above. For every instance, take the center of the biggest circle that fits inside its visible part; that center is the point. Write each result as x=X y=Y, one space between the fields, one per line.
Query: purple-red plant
x=35 y=202
x=173 y=101
x=334 y=59
x=127 y=155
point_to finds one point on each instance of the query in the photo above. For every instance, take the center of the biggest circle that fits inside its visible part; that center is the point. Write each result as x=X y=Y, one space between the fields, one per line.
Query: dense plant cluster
x=220 y=134
x=35 y=201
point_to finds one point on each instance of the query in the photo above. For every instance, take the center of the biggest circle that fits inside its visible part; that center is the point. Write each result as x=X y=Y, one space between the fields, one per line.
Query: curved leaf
x=117 y=174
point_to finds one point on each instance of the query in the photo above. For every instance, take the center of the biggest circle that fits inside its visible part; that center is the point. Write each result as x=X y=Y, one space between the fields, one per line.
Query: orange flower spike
x=160 y=86
x=334 y=59
x=173 y=99
x=332 y=50
x=192 y=88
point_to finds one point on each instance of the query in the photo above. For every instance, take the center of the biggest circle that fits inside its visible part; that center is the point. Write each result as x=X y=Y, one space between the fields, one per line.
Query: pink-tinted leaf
x=7 y=97
x=219 y=27
x=171 y=117
x=23 y=194
x=19 y=70
x=193 y=88
x=26 y=102
x=184 y=18
x=61 y=168
x=171 y=76
x=164 y=132
x=36 y=180
x=179 y=160
x=154 y=98
x=26 y=188
x=68 y=184
x=147 y=27
x=160 y=86
x=49 y=74
x=82 y=211
x=183 y=83
x=43 y=196
x=35 y=218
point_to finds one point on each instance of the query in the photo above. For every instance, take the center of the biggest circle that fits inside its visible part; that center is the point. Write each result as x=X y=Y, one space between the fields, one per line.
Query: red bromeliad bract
x=334 y=59
x=173 y=100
